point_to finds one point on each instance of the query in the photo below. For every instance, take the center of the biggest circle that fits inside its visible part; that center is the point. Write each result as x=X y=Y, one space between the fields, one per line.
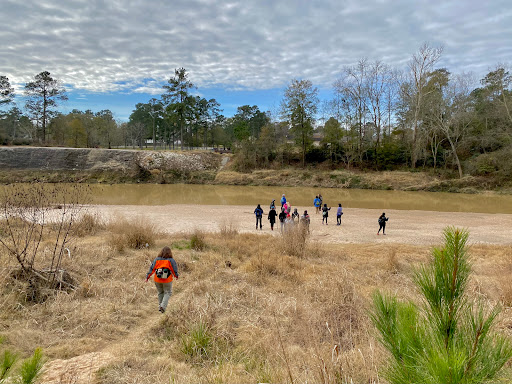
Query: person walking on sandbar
x=382 y=223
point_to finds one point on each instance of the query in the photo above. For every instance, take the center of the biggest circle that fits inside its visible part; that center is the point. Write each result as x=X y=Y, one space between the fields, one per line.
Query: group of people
x=286 y=216
x=165 y=269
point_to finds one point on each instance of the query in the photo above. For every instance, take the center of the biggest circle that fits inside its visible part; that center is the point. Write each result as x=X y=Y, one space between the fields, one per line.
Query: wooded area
x=380 y=118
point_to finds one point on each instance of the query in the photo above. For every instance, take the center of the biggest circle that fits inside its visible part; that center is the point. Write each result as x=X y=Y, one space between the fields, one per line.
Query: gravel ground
x=358 y=225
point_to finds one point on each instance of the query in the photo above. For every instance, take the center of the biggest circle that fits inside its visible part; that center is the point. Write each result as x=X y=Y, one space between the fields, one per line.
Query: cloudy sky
x=111 y=54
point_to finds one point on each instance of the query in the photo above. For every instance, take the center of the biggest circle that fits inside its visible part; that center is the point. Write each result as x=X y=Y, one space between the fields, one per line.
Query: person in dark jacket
x=272 y=217
x=259 y=214
x=382 y=223
x=282 y=218
x=165 y=268
x=325 y=213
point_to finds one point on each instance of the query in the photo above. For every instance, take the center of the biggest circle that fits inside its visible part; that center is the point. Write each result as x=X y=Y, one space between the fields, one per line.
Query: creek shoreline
x=126 y=166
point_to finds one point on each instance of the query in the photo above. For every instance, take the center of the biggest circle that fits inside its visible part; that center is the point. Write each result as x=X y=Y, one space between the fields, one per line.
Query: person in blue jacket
x=259 y=214
x=283 y=201
x=317 y=203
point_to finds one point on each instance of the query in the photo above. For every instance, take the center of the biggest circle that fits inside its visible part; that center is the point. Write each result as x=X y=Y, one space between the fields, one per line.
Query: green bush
x=449 y=338
x=197 y=241
x=198 y=341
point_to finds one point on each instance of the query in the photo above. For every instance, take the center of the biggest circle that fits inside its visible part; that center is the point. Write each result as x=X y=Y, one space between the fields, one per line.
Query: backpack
x=163 y=273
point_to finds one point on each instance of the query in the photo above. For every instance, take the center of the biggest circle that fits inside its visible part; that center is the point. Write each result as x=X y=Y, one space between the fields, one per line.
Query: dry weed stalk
x=228 y=230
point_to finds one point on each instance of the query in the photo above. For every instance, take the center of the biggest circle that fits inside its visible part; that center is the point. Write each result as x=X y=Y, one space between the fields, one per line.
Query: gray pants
x=164 y=293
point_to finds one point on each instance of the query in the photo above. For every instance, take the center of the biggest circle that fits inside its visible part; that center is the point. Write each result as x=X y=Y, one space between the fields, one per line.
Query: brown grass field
x=248 y=307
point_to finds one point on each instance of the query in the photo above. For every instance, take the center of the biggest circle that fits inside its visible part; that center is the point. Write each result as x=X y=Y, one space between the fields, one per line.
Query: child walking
x=382 y=223
x=259 y=214
x=325 y=214
x=339 y=212
x=272 y=217
x=164 y=267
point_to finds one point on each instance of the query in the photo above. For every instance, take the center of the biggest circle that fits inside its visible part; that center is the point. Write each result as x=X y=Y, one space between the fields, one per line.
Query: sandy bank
x=358 y=225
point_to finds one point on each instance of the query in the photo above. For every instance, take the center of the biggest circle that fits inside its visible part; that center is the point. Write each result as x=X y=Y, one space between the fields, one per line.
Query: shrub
x=136 y=234
x=88 y=224
x=295 y=240
x=197 y=241
x=449 y=339
x=197 y=341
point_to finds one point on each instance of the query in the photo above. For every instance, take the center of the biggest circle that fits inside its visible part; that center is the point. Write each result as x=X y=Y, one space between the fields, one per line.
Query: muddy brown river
x=156 y=194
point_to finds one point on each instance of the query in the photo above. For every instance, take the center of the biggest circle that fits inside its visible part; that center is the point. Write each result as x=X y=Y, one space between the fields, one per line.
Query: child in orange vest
x=165 y=268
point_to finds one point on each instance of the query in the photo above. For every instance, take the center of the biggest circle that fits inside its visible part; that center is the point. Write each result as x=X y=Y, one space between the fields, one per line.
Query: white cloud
x=116 y=46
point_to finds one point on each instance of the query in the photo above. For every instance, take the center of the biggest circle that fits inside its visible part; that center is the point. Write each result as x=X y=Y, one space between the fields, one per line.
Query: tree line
x=379 y=118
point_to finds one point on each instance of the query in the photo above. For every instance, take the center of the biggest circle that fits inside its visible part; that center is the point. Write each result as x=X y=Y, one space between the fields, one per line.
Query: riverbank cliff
x=91 y=165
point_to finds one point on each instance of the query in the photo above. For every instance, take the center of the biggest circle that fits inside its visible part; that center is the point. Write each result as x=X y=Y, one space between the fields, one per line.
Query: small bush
x=88 y=224
x=197 y=342
x=197 y=241
x=132 y=234
x=295 y=239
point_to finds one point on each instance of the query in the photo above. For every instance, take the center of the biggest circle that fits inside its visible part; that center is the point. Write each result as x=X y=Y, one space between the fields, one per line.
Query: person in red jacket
x=165 y=268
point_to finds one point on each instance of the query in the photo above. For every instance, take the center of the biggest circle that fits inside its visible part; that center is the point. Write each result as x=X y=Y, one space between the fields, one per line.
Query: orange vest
x=164 y=264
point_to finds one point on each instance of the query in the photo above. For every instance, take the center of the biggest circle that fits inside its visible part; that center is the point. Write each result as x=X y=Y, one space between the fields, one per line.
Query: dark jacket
x=382 y=220
x=282 y=216
x=272 y=215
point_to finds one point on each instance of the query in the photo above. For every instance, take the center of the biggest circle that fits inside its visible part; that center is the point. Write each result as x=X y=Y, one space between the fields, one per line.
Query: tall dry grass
x=133 y=234
x=245 y=309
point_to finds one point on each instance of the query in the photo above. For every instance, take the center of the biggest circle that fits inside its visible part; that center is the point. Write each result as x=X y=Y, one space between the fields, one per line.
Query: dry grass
x=246 y=309
x=135 y=234
x=88 y=224
x=197 y=240
x=228 y=229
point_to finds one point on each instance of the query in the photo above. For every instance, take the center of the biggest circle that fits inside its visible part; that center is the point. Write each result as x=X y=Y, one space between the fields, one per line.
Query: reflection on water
x=156 y=194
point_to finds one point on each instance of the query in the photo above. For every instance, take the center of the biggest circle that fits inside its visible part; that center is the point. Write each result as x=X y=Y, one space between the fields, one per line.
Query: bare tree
x=352 y=89
x=449 y=109
x=421 y=64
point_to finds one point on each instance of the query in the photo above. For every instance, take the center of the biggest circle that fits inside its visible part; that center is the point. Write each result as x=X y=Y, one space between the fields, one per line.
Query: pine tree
x=448 y=338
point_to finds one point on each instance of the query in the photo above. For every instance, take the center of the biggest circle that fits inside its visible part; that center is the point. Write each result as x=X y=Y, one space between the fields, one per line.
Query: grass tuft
x=197 y=342
x=137 y=234
x=197 y=241
x=88 y=224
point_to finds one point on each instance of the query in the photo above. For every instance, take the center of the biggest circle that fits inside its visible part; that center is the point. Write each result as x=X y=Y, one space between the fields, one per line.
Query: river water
x=158 y=194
